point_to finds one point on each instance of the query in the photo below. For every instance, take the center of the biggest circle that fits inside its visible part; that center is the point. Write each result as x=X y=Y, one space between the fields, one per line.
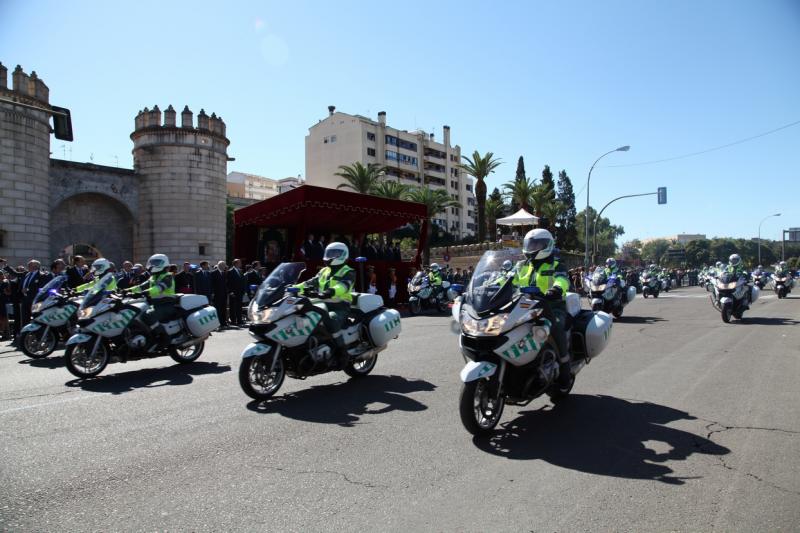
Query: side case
x=384 y=327
x=203 y=321
x=591 y=333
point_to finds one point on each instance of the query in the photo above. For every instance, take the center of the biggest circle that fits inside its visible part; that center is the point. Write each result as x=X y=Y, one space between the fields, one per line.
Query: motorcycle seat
x=366 y=302
x=188 y=302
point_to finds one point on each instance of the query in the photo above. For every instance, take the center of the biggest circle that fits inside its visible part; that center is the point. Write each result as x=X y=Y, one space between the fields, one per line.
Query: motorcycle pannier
x=203 y=321
x=631 y=293
x=590 y=333
x=384 y=327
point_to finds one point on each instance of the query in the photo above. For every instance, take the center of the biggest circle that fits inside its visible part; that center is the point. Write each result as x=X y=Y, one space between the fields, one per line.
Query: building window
x=454 y=172
x=2 y=239
x=371 y=152
x=390 y=139
x=325 y=140
x=333 y=138
x=370 y=136
x=391 y=155
x=202 y=249
x=469 y=187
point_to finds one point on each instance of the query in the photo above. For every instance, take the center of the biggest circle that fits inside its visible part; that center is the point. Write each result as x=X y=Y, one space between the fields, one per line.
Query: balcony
x=433 y=180
x=430 y=152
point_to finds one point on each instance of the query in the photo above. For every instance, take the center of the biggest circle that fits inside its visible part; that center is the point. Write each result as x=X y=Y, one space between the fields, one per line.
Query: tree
x=497 y=195
x=435 y=201
x=494 y=209
x=479 y=167
x=359 y=177
x=607 y=233
x=520 y=192
x=632 y=250
x=390 y=189
x=566 y=234
x=551 y=211
x=540 y=197
x=520 y=176
x=547 y=180
x=654 y=250
x=722 y=249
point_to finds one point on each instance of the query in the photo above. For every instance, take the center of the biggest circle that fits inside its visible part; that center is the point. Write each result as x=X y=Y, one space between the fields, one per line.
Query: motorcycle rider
x=540 y=269
x=435 y=279
x=334 y=283
x=160 y=286
x=736 y=267
x=781 y=270
x=100 y=267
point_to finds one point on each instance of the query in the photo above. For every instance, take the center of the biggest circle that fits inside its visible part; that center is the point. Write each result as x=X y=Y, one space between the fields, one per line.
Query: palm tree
x=435 y=201
x=520 y=192
x=540 y=197
x=494 y=209
x=479 y=167
x=390 y=189
x=360 y=178
x=551 y=211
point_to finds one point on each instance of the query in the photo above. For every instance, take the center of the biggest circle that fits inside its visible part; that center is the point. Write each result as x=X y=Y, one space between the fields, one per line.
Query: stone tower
x=182 y=172
x=24 y=168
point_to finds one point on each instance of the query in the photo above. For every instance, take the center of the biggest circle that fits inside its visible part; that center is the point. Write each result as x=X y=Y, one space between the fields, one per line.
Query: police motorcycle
x=607 y=293
x=732 y=295
x=53 y=319
x=111 y=328
x=760 y=278
x=651 y=285
x=421 y=294
x=291 y=339
x=666 y=282
x=782 y=283
x=506 y=344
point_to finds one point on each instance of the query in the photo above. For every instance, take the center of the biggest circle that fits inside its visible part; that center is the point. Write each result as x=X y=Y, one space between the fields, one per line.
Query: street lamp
x=759 y=234
x=586 y=253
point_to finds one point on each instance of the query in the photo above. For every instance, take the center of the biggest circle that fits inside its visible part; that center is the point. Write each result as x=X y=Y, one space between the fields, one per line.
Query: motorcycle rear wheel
x=256 y=380
x=37 y=345
x=359 y=369
x=617 y=312
x=480 y=413
x=442 y=306
x=80 y=364
x=188 y=354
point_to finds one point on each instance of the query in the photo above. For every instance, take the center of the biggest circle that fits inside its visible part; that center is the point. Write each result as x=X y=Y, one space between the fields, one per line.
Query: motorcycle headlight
x=36 y=307
x=85 y=312
x=487 y=326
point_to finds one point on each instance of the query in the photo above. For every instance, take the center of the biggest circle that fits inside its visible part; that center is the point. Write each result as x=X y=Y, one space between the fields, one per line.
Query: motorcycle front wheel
x=256 y=379
x=479 y=408
x=443 y=306
x=82 y=363
x=415 y=306
x=188 y=354
x=38 y=344
x=726 y=313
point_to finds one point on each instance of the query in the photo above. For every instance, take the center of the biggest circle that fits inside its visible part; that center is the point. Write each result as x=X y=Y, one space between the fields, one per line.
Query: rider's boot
x=564 y=374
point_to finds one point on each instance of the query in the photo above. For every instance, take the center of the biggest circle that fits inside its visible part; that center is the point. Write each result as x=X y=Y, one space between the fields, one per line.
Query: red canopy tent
x=273 y=230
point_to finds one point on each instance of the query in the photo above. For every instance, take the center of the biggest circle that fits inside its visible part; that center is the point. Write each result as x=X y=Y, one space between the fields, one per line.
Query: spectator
x=219 y=288
x=14 y=293
x=5 y=303
x=58 y=267
x=235 y=281
x=173 y=269
x=396 y=254
x=320 y=249
x=202 y=281
x=77 y=274
x=33 y=281
x=252 y=279
x=184 y=281
x=309 y=248
x=125 y=276
x=140 y=275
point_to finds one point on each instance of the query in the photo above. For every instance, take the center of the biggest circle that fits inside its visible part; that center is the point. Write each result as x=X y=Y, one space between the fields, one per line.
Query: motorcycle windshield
x=417 y=279
x=51 y=288
x=490 y=287
x=284 y=275
x=96 y=293
x=599 y=277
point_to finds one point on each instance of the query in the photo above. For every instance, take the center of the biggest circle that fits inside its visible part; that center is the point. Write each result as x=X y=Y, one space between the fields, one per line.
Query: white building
x=250 y=188
x=412 y=158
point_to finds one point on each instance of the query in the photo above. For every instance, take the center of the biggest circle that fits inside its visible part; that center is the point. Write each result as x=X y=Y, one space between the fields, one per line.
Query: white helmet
x=507 y=265
x=100 y=266
x=783 y=264
x=434 y=267
x=157 y=263
x=719 y=264
x=336 y=253
x=735 y=259
x=611 y=262
x=538 y=244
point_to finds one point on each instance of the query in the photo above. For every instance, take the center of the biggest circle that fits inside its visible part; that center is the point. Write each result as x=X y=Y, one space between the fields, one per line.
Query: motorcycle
x=53 y=318
x=421 y=295
x=782 y=284
x=760 y=279
x=608 y=294
x=291 y=338
x=505 y=340
x=111 y=326
x=666 y=283
x=651 y=286
x=732 y=296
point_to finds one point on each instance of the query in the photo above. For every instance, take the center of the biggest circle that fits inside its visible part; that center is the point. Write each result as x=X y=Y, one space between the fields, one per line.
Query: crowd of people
x=226 y=287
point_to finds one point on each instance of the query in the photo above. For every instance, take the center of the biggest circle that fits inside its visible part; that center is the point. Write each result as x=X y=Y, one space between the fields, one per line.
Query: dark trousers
x=221 y=305
x=556 y=313
x=17 y=319
x=235 y=303
x=25 y=311
x=334 y=318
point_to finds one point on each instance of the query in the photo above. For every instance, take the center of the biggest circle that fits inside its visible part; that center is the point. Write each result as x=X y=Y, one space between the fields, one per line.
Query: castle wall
x=24 y=166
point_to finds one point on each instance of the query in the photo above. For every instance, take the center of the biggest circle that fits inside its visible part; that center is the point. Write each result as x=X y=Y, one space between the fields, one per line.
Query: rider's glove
x=553 y=293
x=328 y=293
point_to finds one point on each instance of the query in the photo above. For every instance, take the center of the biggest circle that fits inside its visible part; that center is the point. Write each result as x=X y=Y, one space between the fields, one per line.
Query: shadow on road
x=54 y=361
x=148 y=378
x=601 y=435
x=345 y=403
x=769 y=321
x=625 y=319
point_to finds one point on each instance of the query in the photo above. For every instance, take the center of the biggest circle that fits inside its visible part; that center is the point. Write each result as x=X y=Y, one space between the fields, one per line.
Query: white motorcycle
x=732 y=296
x=421 y=295
x=782 y=283
x=506 y=343
x=608 y=293
x=112 y=326
x=53 y=319
x=291 y=338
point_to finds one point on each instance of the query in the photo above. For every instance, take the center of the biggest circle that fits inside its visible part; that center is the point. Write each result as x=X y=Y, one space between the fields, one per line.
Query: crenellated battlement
x=24 y=85
x=154 y=119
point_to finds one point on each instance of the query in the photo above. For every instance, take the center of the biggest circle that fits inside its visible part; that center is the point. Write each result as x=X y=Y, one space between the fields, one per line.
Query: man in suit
x=219 y=288
x=77 y=274
x=309 y=248
x=202 y=281
x=33 y=281
x=184 y=281
x=235 y=281
x=125 y=277
x=252 y=277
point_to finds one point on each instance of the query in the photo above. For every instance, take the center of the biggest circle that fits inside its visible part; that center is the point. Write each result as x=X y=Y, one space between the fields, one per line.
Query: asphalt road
x=684 y=423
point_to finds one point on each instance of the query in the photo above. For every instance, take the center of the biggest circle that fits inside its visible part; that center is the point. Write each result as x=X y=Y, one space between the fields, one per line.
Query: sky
x=559 y=83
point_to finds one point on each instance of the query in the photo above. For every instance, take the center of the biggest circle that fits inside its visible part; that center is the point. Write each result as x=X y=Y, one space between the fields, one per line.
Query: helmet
x=783 y=264
x=538 y=244
x=735 y=260
x=611 y=262
x=719 y=264
x=157 y=263
x=100 y=266
x=507 y=266
x=652 y=266
x=759 y=267
x=336 y=253
x=434 y=267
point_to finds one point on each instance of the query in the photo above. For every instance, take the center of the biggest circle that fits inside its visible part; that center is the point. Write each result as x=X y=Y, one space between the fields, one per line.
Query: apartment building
x=245 y=189
x=412 y=158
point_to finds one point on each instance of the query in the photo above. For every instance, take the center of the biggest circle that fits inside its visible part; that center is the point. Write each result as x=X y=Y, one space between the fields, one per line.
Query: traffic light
x=662 y=195
x=62 y=123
